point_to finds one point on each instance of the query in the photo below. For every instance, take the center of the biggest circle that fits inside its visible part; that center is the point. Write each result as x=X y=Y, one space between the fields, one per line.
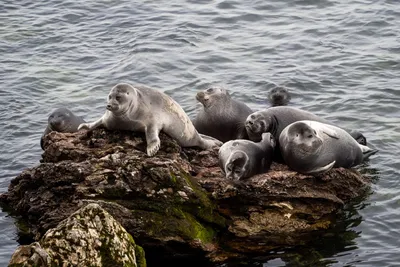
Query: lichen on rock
x=89 y=237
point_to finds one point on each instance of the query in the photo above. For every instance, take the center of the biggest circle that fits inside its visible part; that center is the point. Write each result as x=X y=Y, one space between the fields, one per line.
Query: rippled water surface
x=339 y=59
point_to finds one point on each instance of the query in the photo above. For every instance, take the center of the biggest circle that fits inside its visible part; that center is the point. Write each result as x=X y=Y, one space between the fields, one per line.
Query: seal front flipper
x=91 y=126
x=331 y=133
x=322 y=169
x=152 y=139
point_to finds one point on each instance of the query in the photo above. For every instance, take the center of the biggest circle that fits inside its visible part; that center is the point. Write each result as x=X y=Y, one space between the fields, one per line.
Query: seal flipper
x=91 y=126
x=322 y=169
x=367 y=152
x=330 y=132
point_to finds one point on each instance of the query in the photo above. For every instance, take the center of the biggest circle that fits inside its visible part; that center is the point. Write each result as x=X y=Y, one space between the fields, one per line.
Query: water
x=339 y=59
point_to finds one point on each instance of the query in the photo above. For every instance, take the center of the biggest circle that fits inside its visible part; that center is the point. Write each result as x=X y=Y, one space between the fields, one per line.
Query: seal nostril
x=108 y=106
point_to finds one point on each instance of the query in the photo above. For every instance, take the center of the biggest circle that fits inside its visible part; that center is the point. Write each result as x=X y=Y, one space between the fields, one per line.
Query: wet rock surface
x=178 y=202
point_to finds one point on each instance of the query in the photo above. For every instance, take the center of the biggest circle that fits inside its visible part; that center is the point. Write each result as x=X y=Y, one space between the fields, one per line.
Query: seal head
x=61 y=120
x=121 y=99
x=221 y=116
x=279 y=96
x=304 y=138
x=258 y=123
x=211 y=96
x=237 y=166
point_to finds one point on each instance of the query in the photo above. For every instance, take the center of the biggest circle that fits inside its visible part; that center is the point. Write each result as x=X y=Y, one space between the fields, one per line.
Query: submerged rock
x=88 y=237
x=178 y=202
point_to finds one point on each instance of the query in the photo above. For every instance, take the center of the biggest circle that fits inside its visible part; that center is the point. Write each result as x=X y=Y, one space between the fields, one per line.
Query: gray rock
x=89 y=237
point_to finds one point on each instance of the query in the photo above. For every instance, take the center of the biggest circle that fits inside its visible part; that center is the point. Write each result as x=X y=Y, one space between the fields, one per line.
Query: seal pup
x=61 y=120
x=279 y=96
x=244 y=158
x=143 y=109
x=311 y=147
x=221 y=116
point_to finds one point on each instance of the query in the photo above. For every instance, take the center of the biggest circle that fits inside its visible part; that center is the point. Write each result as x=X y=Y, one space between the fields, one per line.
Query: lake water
x=339 y=59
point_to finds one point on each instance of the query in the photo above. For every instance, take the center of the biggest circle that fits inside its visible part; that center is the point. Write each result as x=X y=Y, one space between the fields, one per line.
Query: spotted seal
x=141 y=108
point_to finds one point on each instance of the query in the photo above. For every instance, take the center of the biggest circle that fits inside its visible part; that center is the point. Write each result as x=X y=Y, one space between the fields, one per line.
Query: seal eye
x=209 y=90
x=118 y=98
x=310 y=136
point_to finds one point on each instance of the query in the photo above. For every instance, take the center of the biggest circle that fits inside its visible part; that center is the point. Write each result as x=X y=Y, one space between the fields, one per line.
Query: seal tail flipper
x=323 y=168
x=367 y=152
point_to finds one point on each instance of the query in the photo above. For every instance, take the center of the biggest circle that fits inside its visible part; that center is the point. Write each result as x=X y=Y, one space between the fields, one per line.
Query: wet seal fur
x=143 y=109
x=61 y=120
x=241 y=158
x=311 y=147
x=279 y=96
x=221 y=116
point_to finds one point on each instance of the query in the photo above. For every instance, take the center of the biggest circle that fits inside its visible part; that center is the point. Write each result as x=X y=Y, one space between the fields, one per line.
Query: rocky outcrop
x=177 y=201
x=88 y=237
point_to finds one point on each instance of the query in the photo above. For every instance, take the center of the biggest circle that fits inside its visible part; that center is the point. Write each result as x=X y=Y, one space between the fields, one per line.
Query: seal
x=311 y=147
x=241 y=158
x=61 y=120
x=279 y=96
x=143 y=109
x=221 y=116
x=275 y=119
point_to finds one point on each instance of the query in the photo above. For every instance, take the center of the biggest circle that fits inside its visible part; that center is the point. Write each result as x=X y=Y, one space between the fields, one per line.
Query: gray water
x=339 y=59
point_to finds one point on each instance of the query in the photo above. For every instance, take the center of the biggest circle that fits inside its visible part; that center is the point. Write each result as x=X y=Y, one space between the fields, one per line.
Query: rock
x=177 y=203
x=88 y=237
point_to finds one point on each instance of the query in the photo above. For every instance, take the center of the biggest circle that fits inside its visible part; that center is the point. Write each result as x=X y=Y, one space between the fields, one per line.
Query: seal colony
x=249 y=141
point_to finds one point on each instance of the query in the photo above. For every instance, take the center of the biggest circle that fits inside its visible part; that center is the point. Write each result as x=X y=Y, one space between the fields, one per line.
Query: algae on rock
x=89 y=237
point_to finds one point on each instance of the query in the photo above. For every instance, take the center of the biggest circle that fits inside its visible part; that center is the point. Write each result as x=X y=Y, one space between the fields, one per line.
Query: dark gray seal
x=221 y=116
x=311 y=147
x=279 y=96
x=62 y=120
x=143 y=109
x=241 y=158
